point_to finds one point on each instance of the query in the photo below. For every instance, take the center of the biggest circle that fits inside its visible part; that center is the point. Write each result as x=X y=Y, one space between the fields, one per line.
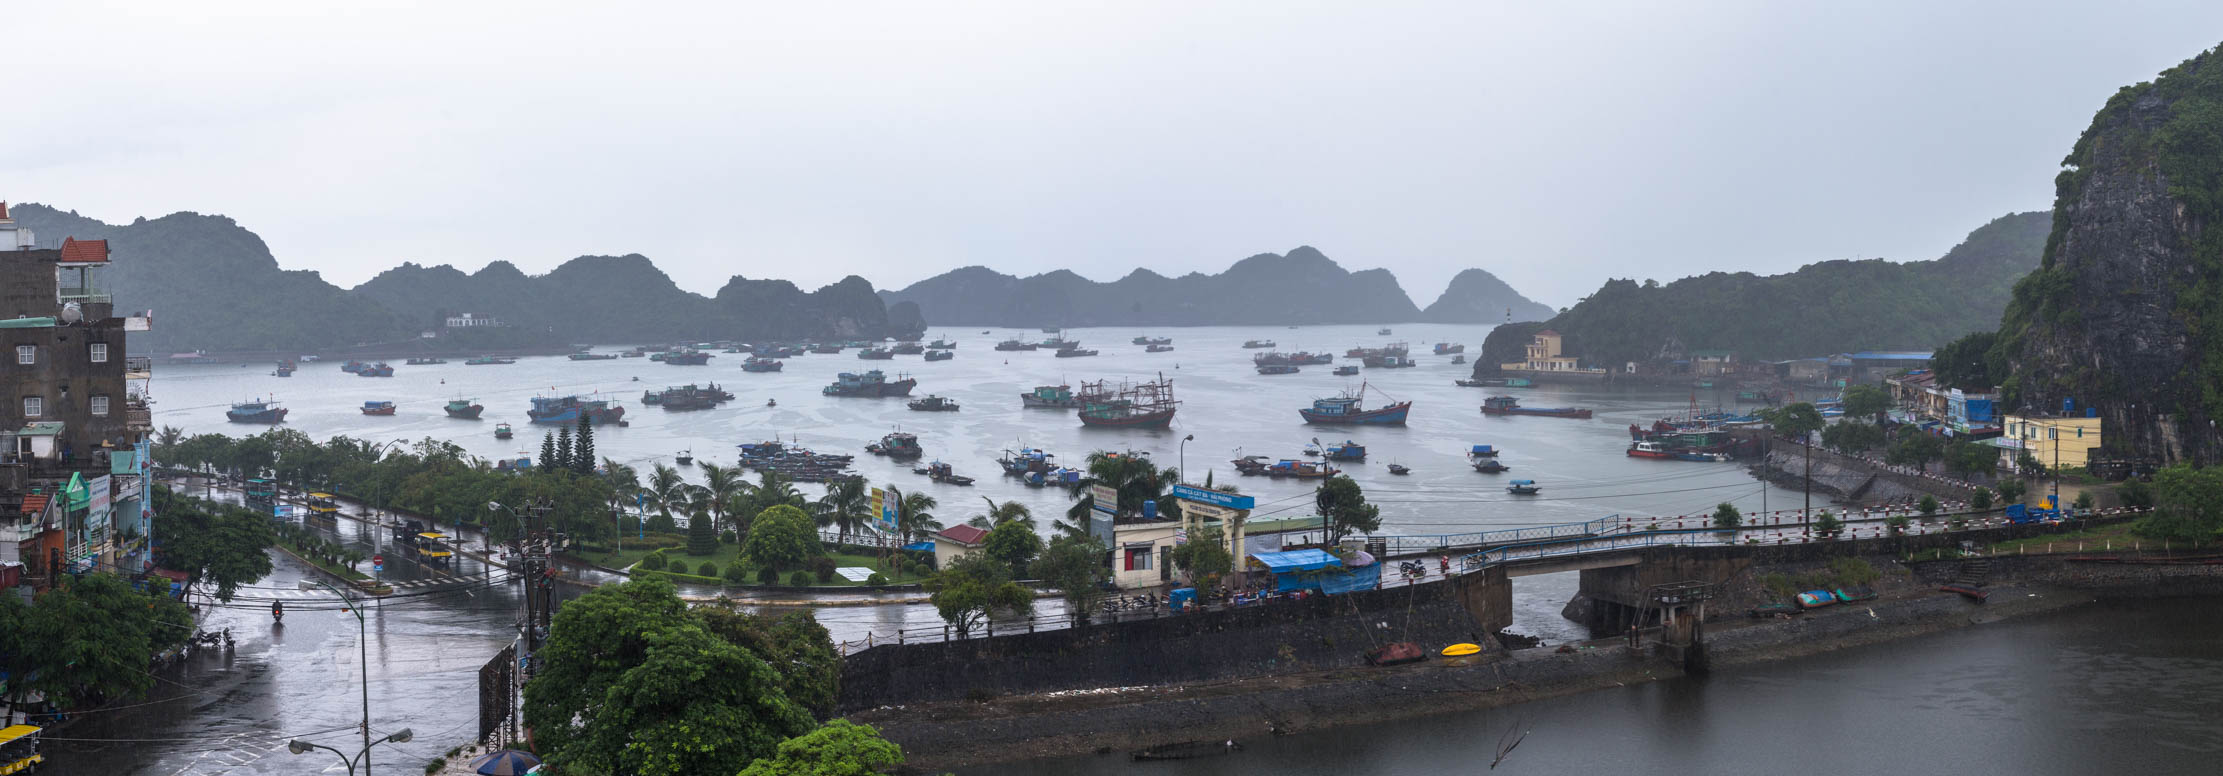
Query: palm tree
x=773 y=489
x=625 y=482
x=1132 y=476
x=666 y=490
x=846 y=506
x=913 y=520
x=1006 y=512
x=726 y=490
x=167 y=439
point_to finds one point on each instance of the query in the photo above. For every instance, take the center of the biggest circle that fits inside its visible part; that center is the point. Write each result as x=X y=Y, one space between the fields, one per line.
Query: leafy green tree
x=1898 y=524
x=701 y=537
x=211 y=543
x=1980 y=500
x=2135 y=494
x=1928 y=506
x=2084 y=500
x=1343 y=504
x=91 y=637
x=1013 y=544
x=972 y=587
x=1852 y=438
x=630 y=682
x=2188 y=504
x=1203 y=555
x=2011 y=490
x=1866 y=402
x=583 y=458
x=1967 y=363
x=781 y=537
x=1915 y=448
x=1793 y=420
x=1074 y=566
x=810 y=669
x=837 y=748
x=1727 y=516
x=1827 y=524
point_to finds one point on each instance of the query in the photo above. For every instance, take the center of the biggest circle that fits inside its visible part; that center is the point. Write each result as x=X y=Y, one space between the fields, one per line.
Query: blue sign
x=1214 y=497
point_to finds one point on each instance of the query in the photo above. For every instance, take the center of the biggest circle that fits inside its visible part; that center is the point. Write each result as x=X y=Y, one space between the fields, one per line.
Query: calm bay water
x=1226 y=406
x=2124 y=687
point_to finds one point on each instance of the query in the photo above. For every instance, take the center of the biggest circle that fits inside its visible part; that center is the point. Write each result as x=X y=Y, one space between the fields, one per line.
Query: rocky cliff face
x=1302 y=286
x=2126 y=312
x=1476 y=296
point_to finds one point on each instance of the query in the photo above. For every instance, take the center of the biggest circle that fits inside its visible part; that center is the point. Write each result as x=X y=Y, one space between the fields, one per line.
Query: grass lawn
x=631 y=551
x=2104 y=538
x=727 y=555
x=336 y=568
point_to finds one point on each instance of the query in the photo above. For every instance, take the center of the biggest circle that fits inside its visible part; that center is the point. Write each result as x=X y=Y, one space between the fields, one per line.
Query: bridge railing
x=1420 y=543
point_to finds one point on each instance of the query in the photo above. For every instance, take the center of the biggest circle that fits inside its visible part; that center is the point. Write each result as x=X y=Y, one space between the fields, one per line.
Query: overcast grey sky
x=1555 y=144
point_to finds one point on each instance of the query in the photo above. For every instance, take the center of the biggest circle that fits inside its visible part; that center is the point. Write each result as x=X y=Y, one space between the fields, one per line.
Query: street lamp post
x=362 y=641
x=1185 y=458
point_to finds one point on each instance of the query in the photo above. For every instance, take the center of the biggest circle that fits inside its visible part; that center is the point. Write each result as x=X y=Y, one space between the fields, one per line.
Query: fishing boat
x=424 y=361
x=284 y=370
x=940 y=355
x=943 y=343
x=1058 y=343
x=1398 y=468
x=1014 y=344
x=1389 y=362
x=933 y=403
x=1486 y=382
x=379 y=369
x=1350 y=409
x=1816 y=599
x=1301 y=469
x=378 y=408
x=1507 y=405
x=1383 y=332
x=1446 y=348
x=1277 y=369
x=1057 y=397
x=490 y=361
x=941 y=472
x=876 y=354
x=1345 y=371
x=1348 y=451
x=771 y=402
x=568 y=409
x=1459 y=359
x=502 y=431
x=908 y=349
x=1254 y=344
x=1138 y=405
x=685 y=458
x=352 y=367
x=1074 y=353
x=1307 y=358
x=1149 y=340
x=256 y=412
x=1158 y=349
x=1523 y=488
x=1482 y=451
x=689 y=358
x=1026 y=460
x=467 y=409
x=900 y=444
x=593 y=356
x=871 y=384
x=761 y=364
x=1648 y=450
x=1251 y=465
x=823 y=348
x=1491 y=466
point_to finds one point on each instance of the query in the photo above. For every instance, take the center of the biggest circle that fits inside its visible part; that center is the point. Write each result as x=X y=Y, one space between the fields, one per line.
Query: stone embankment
x=1856 y=480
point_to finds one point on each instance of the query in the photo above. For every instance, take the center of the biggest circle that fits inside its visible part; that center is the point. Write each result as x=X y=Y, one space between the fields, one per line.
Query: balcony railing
x=85 y=294
x=139 y=365
x=138 y=416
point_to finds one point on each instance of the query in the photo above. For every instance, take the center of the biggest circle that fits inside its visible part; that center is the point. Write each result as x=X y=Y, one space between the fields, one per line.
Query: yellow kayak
x=1457 y=650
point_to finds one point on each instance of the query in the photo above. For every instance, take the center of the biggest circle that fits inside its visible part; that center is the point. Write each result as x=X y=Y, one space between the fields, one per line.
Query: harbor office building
x=2055 y=442
x=73 y=417
x=1546 y=356
x=1142 y=544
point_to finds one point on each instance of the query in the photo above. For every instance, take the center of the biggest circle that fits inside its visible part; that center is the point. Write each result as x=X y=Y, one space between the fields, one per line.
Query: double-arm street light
x=362 y=640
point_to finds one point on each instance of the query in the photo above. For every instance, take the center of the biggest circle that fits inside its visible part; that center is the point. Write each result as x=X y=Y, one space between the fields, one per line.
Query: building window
x=100 y=405
x=26 y=354
x=33 y=406
x=1138 y=559
x=100 y=352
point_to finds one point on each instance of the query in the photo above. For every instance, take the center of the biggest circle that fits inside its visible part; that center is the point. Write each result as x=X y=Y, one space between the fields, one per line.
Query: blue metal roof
x=1297 y=560
x=1891 y=355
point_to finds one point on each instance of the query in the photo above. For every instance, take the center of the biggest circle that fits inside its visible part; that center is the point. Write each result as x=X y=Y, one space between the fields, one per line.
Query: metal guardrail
x=1413 y=545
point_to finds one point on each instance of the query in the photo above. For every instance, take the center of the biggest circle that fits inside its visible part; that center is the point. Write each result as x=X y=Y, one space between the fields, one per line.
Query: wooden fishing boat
x=1349 y=409
x=1140 y=405
x=1816 y=599
x=1523 y=488
x=1507 y=405
x=1396 y=653
x=1398 y=468
x=378 y=408
x=1972 y=592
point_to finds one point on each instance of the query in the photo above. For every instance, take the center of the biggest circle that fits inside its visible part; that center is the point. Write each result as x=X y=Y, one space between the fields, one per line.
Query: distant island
x=1303 y=286
x=1821 y=309
x=214 y=285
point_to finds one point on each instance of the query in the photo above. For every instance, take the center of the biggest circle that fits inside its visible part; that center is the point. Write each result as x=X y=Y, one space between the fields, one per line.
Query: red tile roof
x=964 y=534
x=3 y=209
x=83 y=251
x=34 y=503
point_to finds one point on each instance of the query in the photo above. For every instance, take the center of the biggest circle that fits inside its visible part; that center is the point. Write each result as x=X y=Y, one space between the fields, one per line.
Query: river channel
x=2116 y=687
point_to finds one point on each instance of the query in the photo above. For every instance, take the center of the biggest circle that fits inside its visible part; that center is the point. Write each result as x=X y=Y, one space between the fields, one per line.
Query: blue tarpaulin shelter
x=1297 y=560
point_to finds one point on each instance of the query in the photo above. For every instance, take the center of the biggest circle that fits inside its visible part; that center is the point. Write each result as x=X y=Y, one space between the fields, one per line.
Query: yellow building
x=2056 y=443
x=1545 y=355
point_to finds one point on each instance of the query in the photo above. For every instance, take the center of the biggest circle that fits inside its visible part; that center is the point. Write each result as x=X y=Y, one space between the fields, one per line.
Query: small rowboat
x=1816 y=599
x=1396 y=653
x=1973 y=593
x=1458 y=650
x=1398 y=468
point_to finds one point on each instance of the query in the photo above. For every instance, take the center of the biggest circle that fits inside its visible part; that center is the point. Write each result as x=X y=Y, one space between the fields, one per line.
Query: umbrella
x=503 y=762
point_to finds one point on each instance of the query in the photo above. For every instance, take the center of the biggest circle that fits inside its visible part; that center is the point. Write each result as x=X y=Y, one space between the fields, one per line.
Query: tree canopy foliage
x=2188 y=504
x=88 y=640
x=780 y=538
x=220 y=545
x=972 y=587
x=1074 y=566
x=1343 y=503
x=837 y=748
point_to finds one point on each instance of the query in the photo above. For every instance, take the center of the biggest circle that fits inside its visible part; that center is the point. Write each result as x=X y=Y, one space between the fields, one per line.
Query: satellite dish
x=73 y=313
